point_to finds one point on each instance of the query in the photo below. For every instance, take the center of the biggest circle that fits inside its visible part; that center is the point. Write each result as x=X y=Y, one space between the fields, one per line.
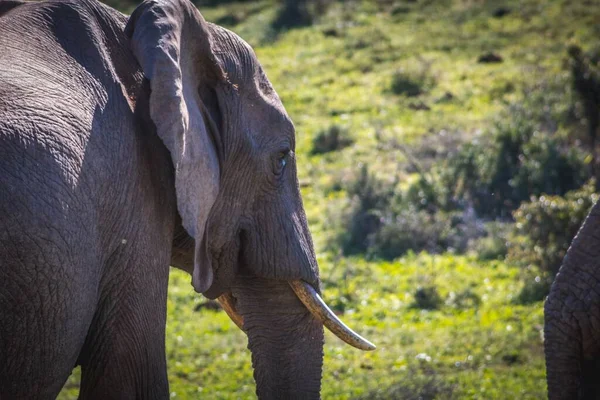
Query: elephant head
x=232 y=145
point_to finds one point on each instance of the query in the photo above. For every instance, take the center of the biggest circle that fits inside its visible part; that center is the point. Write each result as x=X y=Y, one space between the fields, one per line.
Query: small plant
x=331 y=139
x=406 y=84
x=298 y=13
x=400 y=9
x=368 y=197
x=423 y=195
x=489 y=57
x=427 y=298
x=534 y=289
x=465 y=299
x=413 y=82
x=512 y=357
x=494 y=245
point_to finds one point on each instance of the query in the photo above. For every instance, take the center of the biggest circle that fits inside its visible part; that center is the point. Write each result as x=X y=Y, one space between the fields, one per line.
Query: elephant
x=572 y=318
x=129 y=144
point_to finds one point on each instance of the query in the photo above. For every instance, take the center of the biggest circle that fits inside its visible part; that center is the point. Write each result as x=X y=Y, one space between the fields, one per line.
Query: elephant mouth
x=317 y=307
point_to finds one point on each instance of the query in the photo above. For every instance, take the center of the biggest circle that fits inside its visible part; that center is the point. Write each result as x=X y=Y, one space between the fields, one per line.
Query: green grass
x=487 y=351
x=490 y=351
x=347 y=79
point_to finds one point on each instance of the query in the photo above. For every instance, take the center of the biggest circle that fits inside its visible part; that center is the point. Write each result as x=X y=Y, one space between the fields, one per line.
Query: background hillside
x=447 y=154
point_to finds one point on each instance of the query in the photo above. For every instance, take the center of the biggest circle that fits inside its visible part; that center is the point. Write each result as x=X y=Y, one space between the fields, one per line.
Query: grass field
x=477 y=343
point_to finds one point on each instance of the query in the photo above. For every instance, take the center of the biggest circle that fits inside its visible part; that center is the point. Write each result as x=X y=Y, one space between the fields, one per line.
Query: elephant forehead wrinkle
x=238 y=58
x=244 y=70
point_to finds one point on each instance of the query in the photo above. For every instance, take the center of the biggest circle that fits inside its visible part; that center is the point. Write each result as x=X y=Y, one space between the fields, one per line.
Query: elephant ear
x=172 y=44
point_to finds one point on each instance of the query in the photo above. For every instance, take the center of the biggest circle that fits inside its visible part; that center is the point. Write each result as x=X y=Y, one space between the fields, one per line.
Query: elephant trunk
x=285 y=339
x=571 y=318
x=317 y=307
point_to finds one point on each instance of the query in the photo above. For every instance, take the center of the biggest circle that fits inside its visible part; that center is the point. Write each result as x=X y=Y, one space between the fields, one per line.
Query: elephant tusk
x=227 y=301
x=315 y=304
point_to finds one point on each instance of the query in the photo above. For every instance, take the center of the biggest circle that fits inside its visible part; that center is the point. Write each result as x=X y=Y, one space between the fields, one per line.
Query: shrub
x=545 y=227
x=298 y=13
x=386 y=223
x=424 y=195
x=427 y=298
x=465 y=299
x=585 y=77
x=400 y=9
x=521 y=159
x=405 y=84
x=397 y=234
x=331 y=139
x=369 y=197
x=213 y=3
x=418 y=230
x=492 y=246
x=535 y=288
x=412 y=83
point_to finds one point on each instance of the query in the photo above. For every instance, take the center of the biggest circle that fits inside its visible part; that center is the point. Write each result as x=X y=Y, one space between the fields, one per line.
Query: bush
x=534 y=289
x=423 y=195
x=427 y=298
x=494 y=245
x=413 y=82
x=298 y=13
x=369 y=198
x=405 y=84
x=585 y=77
x=523 y=158
x=545 y=227
x=408 y=230
x=331 y=139
x=465 y=299
x=418 y=230
x=386 y=223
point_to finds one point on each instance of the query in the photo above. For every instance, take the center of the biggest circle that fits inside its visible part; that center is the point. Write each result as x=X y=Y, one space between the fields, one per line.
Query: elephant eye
x=282 y=160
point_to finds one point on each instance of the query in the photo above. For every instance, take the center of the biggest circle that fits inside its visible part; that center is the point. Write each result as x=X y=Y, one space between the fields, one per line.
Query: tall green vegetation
x=585 y=75
x=522 y=156
x=528 y=172
x=544 y=228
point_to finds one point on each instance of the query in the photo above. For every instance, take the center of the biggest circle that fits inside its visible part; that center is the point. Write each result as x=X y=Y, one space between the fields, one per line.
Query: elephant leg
x=124 y=354
x=46 y=307
x=590 y=382
x=562 y=347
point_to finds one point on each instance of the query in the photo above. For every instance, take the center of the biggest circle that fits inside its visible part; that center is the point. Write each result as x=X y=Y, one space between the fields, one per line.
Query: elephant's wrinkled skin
x=572 y=319
x=128 y=145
